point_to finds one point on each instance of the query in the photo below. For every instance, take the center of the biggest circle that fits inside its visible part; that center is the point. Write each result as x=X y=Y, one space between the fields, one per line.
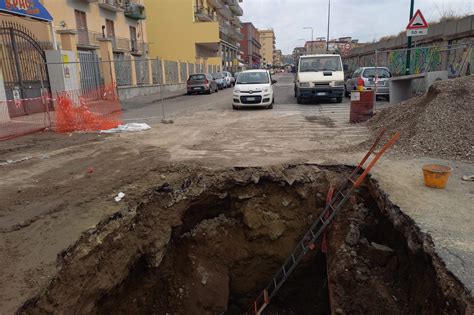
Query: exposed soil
x=437 y=124
x=210 y=243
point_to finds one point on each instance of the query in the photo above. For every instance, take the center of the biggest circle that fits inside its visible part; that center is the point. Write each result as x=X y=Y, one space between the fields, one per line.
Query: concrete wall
x=127 y=92
x=445 y=34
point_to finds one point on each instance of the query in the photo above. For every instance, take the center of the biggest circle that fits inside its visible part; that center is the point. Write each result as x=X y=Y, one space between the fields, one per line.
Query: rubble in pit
x=210 y=243
x=439 y=123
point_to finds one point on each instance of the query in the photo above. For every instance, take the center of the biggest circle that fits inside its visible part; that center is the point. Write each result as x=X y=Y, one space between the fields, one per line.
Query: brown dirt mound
x=437 y=124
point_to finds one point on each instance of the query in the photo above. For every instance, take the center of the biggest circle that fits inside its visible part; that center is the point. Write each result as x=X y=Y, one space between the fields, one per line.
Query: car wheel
x=339 y=99
x=299 y=100
x=235 y=107
x=209 y=91
x=346 y=92
x=270 y=106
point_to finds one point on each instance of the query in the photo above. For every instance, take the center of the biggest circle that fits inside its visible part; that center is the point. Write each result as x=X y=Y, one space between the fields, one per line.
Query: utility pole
x=329 y=22
x=312 y=32
x=408 y=65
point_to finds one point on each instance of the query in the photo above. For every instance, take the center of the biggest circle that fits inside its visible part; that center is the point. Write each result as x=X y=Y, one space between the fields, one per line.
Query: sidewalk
x=142 y=101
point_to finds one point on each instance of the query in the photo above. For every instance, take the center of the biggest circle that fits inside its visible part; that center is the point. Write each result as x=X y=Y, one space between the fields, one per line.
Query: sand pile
x=437 y=124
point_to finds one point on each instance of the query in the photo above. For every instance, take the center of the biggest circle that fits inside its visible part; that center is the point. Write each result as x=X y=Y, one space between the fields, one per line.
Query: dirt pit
x=211 y=243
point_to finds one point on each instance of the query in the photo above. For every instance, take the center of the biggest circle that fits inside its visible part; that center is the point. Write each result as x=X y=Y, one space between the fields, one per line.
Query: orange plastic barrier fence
x=92 y=110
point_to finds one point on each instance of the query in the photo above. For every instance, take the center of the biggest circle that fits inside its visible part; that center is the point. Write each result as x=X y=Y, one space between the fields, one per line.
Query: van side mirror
x=346 y=67
x=274 y=81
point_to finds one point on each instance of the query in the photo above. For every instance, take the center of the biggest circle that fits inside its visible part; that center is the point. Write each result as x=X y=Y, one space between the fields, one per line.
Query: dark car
x=201 y=83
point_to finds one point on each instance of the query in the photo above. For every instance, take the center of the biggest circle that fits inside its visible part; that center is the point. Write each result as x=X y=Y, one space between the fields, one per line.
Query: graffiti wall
x=454 y=55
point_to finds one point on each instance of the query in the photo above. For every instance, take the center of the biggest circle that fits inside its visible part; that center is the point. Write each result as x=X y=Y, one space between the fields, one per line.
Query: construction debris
x=437 y=124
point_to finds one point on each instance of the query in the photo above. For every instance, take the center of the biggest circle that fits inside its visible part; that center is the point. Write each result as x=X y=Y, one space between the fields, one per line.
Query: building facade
x=278 y=58
x=205 y=32
x=268 y=42
x=251 y=46
x=297 y=52
x=315 y=47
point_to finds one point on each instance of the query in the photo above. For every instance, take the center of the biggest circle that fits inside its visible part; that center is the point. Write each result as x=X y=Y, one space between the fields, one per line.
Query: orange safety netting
x=92 y=111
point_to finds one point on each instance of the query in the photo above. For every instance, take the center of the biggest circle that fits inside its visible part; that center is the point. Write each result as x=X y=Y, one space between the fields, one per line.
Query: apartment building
x=278 y=58
x=95 y=32
x=250 y=46
x=268 y=42
x=315 y=47
x=205 y=32
x=297 y=52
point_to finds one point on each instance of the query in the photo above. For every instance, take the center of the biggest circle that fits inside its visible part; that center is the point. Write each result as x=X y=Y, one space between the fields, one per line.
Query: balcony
x=120 y=44
x=88 y=39
x=204 y=15
x=235 y=7
x=236 y=22
x=112 y=5
x=138 y=47
x=135 y=11
x=236 y=34
x=215 y=3
x=225 y=12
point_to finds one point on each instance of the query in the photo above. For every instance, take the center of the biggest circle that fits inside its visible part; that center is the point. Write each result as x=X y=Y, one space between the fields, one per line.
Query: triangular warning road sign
x=418 y=21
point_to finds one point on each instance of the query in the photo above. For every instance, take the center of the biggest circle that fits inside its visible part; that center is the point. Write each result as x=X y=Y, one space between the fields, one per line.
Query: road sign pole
x=408 y=65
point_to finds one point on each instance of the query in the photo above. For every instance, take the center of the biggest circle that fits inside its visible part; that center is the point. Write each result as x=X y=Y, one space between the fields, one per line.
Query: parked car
x=220 y=80
x=230 y=80
x=319 y=77
x=201 y=83
x=236 y=75
x=365 y=78
x=253 y=88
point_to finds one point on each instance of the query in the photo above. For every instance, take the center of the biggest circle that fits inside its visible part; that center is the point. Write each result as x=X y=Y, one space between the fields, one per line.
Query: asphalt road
x=284 y=100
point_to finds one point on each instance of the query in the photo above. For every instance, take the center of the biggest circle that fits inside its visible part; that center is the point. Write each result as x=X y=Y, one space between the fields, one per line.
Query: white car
x=253 y=88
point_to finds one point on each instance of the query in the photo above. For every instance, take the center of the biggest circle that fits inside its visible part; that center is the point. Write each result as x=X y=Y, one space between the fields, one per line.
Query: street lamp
x=329 y=21
x=312 y=31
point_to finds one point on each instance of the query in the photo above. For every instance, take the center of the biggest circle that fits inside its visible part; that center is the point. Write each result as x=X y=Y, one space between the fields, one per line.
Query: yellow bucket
x=436 y=176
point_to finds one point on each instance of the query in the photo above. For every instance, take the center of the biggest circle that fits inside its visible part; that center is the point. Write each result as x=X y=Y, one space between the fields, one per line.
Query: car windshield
x=330 y=63
x=253 y=78
x=216 y=76
x=382 y=73
x=197 y=77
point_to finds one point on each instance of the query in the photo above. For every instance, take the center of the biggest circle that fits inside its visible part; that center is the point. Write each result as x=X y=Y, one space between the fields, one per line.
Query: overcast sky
x=365 y=20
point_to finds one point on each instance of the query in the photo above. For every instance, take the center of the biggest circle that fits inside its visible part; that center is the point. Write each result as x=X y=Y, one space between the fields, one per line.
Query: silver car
x=365 y=77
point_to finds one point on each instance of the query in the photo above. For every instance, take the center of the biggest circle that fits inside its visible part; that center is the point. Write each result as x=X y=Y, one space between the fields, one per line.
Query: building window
x=109 y=28
x=81 y=26
x=133 y=38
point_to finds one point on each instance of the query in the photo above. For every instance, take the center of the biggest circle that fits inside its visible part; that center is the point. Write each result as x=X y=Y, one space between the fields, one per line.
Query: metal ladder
x=307 y=243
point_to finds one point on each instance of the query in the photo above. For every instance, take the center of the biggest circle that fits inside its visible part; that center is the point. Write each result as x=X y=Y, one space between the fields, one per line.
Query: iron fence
x=123 y=70
x=183 y=68
x=191 y=68
x=141 y=69
x=157 y=72
x=171 y=72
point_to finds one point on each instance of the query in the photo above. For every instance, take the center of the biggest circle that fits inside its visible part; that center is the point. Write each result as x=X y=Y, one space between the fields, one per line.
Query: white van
x=319 y=77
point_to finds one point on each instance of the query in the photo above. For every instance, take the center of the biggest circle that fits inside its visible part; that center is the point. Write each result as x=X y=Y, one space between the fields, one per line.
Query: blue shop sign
x=30 y=8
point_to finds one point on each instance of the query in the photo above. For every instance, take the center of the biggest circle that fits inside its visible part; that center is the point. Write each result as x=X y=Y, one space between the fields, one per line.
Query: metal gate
x=25 y=75
x=90 y=71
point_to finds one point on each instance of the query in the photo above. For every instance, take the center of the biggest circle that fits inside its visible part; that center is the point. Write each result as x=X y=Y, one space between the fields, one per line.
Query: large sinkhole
x=210 y=243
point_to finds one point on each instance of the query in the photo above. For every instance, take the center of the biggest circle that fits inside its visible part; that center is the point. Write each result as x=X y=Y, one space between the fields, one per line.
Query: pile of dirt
x=437 y=124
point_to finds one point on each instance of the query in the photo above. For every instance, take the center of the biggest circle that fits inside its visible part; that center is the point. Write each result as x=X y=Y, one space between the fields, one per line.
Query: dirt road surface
x=55 y=187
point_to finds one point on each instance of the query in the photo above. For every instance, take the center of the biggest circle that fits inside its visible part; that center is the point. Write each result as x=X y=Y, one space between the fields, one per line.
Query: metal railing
x=135 y=11
x=120 y=44
x=113 y=5
x=88 y=38
x=204 y=14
